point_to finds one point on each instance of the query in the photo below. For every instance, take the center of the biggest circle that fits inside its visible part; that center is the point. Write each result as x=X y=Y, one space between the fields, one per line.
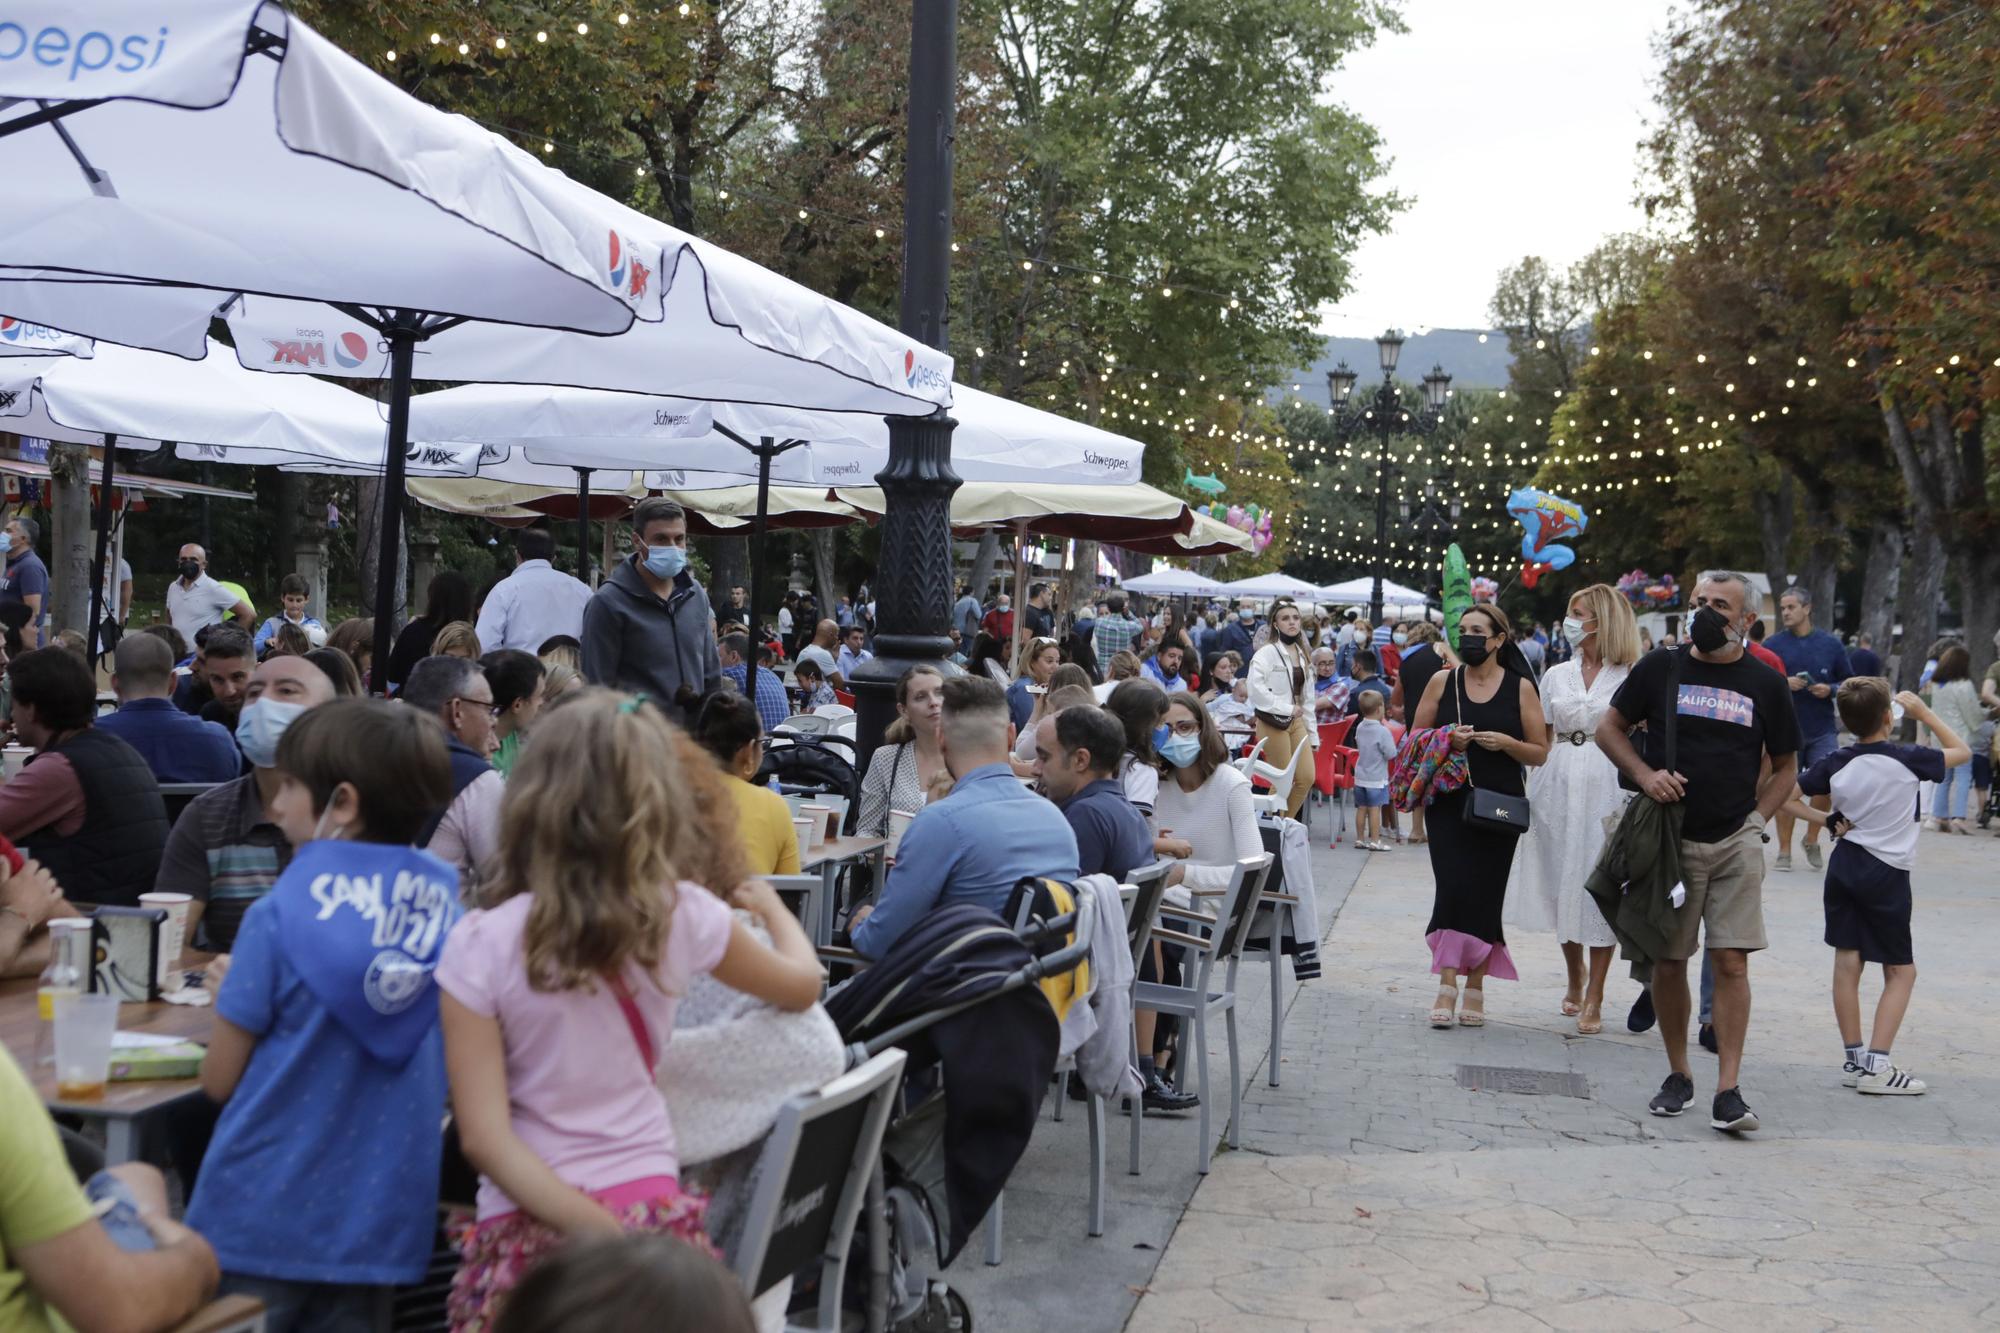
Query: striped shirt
x=225 y=854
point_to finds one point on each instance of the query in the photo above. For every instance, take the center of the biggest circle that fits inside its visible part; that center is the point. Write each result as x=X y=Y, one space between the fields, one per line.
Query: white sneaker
x=1891 y=1082
x=1850 y=1073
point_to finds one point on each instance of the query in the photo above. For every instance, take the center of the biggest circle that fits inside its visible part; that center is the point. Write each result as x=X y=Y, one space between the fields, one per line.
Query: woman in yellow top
x=730 y=729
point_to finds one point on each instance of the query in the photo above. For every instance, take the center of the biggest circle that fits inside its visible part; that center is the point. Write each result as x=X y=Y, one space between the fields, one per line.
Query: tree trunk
x=1880 y=581
x=1080 y=582
x=1978 y=576
x=290 y=521
x=1944 y=472
x=824 y=588
x=1917 y=607
x=1820 y=563
x=728 y=567
x=70 y=541
x=368 y=499
x=1776 y=509
x=983 y=561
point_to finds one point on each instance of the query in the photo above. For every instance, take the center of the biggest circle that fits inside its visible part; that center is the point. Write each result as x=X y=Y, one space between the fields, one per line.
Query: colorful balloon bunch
x=1647 y=593
x=1484 y=589
x=1253 y=519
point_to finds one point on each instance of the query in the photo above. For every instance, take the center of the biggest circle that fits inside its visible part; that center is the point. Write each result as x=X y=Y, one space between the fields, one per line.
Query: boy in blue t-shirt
x=319 y=1191
x=1874 y=788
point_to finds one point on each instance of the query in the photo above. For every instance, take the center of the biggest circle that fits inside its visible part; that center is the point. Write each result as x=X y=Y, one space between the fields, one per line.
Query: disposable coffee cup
x=173 y=940
x=899 y=821
x=802 y=829
x=85 y=1025
x=818 y=816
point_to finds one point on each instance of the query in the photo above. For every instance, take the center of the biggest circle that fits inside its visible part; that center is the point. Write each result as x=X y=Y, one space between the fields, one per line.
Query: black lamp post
x=913 y=573
x=1384 y=415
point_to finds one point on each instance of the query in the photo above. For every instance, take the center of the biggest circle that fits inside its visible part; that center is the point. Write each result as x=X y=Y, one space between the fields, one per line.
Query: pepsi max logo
x=431 y=455
x=922 y=376
x=8 y=397
x=297 y=351
x=19 y=330
x=1091 y=458
x=350 y=350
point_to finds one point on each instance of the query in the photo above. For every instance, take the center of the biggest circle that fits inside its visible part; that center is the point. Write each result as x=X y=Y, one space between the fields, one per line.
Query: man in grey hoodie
x=649 y=627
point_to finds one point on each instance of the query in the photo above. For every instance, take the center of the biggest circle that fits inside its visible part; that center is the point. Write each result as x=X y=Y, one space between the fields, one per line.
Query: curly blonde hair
x=458 y=637
x=604 y=815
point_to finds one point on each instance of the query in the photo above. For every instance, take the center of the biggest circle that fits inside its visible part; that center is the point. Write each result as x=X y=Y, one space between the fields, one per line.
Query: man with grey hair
x=649 y=628
x=26 y=579
x=1727 y=712
x=1815 y=664
x=466 y=833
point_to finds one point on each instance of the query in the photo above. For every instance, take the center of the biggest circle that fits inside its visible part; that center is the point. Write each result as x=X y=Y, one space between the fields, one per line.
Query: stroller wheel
x=944 y=1311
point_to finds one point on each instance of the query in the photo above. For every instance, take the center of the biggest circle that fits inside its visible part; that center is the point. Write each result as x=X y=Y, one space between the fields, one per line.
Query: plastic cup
x=802 y=829
x=85 y=1026
x=173 y=940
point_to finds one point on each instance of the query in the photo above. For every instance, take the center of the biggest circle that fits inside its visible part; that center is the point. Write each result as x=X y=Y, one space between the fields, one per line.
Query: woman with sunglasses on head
x=1280 y=676
x=1038 y=661
x=1495 y=719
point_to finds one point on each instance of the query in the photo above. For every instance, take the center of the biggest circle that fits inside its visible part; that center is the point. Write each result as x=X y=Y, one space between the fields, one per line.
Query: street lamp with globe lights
x=1385 y=415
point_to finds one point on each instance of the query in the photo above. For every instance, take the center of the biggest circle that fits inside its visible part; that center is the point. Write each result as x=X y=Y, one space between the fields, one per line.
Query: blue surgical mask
x=260 y=727
x=1180 y=751
x=1161 y=734
x=1400 y=638
x=665 y=562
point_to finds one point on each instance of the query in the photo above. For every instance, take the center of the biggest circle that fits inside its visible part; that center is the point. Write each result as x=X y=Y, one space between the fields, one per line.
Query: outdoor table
x=124 y=1105
x=828 y=858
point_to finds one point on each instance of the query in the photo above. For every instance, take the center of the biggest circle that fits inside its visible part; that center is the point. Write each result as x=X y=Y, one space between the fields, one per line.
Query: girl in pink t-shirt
x=557 y=999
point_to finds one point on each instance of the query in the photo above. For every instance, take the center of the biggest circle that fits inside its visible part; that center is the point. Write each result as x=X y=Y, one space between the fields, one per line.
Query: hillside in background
x=1472 y=364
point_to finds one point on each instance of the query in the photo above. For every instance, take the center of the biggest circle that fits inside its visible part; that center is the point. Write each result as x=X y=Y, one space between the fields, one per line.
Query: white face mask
x=1574 y=631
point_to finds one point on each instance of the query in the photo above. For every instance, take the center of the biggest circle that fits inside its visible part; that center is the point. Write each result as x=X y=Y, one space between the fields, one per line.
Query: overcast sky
x=1514 y=125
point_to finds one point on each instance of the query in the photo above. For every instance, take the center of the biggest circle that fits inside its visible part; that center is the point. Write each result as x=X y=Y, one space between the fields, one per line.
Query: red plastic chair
x=843 y=697
x=1333 y=771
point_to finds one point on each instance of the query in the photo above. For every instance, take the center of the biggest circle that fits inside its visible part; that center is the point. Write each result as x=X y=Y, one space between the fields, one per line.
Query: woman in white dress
x=1571 y=795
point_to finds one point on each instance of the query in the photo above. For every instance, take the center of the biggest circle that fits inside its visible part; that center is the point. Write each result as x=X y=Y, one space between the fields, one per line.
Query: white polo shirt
x=191 y=609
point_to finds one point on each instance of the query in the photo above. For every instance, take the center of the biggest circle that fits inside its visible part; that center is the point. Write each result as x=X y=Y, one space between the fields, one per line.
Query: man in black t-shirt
x=1729 y=712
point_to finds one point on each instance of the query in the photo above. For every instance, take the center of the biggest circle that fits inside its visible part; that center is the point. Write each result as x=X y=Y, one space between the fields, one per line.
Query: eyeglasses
x=492 y=709
x=1187 y=728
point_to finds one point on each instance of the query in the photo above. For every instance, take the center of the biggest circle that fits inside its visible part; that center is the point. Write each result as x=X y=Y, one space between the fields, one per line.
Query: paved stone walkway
x=1372 y=1191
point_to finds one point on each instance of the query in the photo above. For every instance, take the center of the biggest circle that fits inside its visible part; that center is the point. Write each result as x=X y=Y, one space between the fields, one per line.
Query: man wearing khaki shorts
x=1729 y=711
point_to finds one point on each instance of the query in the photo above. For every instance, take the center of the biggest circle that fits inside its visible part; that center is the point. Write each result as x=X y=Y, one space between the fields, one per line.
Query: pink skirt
x=497 y=1253
x=1464 y=953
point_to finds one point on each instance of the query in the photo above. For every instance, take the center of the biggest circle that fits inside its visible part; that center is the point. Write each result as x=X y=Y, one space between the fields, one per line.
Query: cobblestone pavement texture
x=1372 y=1191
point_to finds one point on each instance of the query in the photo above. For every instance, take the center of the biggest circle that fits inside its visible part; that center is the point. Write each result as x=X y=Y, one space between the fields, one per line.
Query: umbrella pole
x=765 y=449
x=583 y=525
x=402 y=336
x=103 y=541
x=1020 y=590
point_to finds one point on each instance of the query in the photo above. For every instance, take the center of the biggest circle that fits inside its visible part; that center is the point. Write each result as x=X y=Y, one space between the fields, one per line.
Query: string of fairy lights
x=1702 y=405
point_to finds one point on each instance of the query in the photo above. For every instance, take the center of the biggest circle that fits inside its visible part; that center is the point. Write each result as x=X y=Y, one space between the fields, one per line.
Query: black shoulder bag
x=1489 y=811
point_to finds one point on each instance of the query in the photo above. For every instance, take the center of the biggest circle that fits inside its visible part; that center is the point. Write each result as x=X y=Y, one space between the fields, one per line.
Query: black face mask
x=1709 y=630
x=1288 y=638
x=190 y=570
x=1472 y=649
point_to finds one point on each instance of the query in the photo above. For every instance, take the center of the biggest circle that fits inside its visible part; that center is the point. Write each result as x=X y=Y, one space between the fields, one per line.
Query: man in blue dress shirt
x=177 y=746
x=977 y=843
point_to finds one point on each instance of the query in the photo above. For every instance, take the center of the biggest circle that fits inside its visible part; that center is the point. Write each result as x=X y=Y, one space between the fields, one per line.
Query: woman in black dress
x=1496 y=718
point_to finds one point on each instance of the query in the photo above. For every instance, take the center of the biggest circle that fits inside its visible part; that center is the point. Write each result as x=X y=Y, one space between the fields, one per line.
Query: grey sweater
x=635 y=640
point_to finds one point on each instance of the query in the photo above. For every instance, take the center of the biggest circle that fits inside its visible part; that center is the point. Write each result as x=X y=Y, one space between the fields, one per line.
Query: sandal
x=1441 y=1007
x=1591 y=1021
x=1572 y=1003
x=1473 y=1013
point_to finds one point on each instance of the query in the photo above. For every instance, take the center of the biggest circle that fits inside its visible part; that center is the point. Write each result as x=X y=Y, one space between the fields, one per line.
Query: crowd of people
x=570 y=789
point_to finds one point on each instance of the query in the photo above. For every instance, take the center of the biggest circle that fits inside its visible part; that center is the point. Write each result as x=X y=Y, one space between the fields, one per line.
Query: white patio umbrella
x=1274 y=585
x=1175 y=583
x=249 y=164
x=20 y=338
x=124 y=398
x=1362 y=590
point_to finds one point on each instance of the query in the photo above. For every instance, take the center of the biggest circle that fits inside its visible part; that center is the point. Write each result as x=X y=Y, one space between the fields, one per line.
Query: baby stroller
x=813 y=764
x=961 y=995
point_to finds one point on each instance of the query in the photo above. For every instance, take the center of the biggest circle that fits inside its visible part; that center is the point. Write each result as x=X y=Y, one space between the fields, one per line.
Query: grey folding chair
x=804 y=895
x=1274 y=908
x=1207 y=940
x=812 y=1178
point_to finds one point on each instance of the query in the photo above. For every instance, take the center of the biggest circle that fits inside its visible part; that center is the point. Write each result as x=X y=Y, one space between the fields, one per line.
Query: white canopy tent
x=1175 y=583
x=1274 y=584
x=1362 y=591
x=248 y=165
